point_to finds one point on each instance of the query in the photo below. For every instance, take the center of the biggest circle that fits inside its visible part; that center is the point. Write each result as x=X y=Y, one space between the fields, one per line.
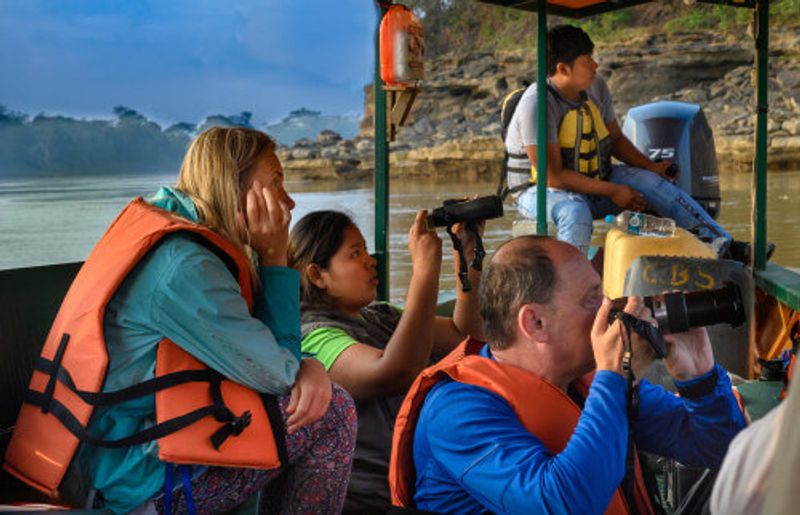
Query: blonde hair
x=214 y=174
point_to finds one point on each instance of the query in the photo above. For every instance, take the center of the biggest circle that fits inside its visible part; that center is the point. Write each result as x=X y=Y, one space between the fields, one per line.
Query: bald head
x=522 y=271
x=519 y=248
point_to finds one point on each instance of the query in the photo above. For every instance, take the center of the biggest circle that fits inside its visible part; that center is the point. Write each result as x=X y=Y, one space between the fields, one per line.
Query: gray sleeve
x=554 y=116
x=602 y=97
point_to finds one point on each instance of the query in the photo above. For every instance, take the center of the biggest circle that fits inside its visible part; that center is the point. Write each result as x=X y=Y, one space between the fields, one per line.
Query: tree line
x=127 y=144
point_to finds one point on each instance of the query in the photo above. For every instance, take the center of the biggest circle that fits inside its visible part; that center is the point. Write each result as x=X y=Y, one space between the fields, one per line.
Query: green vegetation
x=504 y=29
x=456 y=25
x=709 y=17
x=451 y=25
x=464 y=25
x=785 y=12
x=608 y=26
x=705 y=17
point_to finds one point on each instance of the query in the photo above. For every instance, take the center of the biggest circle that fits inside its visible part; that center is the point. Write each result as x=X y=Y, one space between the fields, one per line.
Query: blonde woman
x=187 y=288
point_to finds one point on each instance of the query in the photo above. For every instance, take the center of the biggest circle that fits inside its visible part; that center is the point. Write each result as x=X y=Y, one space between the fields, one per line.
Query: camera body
x=453 y=211
x=678 y=312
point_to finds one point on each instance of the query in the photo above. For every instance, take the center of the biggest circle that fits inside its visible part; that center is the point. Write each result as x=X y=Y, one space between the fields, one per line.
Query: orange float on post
x=401 y=47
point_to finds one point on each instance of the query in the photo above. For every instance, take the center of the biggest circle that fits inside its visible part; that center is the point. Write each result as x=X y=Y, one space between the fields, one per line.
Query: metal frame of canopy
x=579 y=9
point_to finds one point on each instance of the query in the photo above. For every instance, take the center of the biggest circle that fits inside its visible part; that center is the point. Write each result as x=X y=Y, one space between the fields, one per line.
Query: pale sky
x=180 y=60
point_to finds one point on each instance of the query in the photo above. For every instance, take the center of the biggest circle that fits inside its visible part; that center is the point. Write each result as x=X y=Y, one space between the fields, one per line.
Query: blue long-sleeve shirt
x=472 y=454
x=183 y=291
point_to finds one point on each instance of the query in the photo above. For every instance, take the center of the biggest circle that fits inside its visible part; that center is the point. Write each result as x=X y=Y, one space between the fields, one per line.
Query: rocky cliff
x=453 y=128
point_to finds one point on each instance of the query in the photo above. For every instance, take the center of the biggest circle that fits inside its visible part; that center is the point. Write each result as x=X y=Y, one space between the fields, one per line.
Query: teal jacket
x=183 y=291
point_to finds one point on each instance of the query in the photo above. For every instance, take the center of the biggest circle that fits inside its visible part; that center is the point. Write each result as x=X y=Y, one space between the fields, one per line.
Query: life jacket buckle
x=240 y=423
x=232 y=428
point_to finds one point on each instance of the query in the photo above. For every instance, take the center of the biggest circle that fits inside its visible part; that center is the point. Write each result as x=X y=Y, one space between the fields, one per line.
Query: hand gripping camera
x=678 y=312
x=470 y=213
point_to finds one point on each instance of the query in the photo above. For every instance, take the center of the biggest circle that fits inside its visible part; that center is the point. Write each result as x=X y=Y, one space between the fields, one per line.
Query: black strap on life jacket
x=507 y=109
x=233 y=424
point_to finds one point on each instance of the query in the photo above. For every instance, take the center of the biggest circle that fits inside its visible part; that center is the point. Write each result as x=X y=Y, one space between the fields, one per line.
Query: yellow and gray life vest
x=584 y=140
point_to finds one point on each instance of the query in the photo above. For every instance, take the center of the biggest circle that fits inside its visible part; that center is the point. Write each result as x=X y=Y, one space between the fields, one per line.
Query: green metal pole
x=759 y=227
x=541 y=117
x=381 y=181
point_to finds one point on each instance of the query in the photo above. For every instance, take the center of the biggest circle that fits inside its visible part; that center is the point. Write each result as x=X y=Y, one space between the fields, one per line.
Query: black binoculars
x=454 y=211
x=469 y=212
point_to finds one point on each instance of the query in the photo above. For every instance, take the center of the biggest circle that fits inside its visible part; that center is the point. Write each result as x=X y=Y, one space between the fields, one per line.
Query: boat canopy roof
x=581 y=8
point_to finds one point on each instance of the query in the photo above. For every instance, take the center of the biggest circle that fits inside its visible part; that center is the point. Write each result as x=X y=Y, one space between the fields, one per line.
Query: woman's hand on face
x=424 y=246
x=310 y=395
x=267 y=218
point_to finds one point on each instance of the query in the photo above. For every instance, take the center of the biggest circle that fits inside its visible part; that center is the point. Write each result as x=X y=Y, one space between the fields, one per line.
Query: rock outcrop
x=453 y=128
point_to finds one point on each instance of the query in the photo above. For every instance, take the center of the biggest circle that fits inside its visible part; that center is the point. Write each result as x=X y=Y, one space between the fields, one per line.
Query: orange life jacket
x=552 y=418
x=196 y=408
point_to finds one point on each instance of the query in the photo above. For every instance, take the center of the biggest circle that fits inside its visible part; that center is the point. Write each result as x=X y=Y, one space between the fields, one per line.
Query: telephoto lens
x=678 y=312
x=454 y=211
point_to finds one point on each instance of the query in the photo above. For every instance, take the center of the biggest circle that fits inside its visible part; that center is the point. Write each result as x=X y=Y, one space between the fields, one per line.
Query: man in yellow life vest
x=538 y=420
x=582 y=136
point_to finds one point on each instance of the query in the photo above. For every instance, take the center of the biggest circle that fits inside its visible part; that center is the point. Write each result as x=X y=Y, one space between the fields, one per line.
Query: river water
x=46 y=221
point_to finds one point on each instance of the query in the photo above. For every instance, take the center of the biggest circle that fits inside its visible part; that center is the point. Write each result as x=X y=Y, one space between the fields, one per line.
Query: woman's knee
x=340 y=422
x=342 y=409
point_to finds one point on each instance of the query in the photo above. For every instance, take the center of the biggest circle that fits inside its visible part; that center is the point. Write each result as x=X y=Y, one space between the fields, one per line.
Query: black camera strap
x=477 y=260
x=632 y=405
x=463 y=272
x=480 y=252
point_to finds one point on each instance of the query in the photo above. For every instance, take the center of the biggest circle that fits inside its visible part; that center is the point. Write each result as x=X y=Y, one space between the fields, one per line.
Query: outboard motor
x=679 y=132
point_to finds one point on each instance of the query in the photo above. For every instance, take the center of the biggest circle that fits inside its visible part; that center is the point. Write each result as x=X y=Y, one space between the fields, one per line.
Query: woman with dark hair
x=373 y=349
x=193 y=281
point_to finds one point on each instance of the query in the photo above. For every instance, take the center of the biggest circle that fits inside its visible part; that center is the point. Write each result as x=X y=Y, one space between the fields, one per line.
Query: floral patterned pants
x=315 y=481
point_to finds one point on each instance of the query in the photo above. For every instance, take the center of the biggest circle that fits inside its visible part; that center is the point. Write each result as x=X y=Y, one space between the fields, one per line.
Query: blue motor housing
x=679 y=132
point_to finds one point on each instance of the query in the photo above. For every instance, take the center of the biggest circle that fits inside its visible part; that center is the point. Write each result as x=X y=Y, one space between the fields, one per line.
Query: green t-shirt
x=327 y=343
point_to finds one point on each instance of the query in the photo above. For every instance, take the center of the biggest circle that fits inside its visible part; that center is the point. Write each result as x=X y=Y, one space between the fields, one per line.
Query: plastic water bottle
x=642 y=224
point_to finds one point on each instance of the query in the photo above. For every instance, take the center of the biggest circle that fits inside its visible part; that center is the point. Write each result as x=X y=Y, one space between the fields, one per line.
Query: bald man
x=536 y=420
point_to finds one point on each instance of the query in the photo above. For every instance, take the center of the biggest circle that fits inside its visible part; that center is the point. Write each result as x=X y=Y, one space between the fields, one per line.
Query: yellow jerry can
x=622 y=248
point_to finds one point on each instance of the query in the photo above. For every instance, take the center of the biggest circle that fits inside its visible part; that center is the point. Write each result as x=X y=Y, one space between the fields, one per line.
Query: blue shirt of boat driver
x=472 y=454
x=183 y=291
